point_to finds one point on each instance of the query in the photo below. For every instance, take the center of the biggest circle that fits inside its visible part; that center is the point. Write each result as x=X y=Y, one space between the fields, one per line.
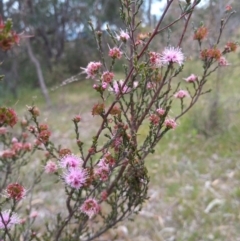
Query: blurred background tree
x=61 y=40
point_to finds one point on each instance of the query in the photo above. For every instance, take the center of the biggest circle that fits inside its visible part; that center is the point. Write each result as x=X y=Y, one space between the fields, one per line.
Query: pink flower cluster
x=51 y=167
x=160 y=111
x=70 y=161
x=181 y=94
x=16 y=148
x=90 y=207
x=103 y=168
x=115 y=53
x=223 y=62
x=155 y=118
x=123 y=36
x=92 y=69
x=191 y=78
x=74 y=175
x=170 y=123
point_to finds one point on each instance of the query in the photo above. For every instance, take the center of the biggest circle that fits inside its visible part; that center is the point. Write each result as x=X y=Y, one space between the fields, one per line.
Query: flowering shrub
x=107 y=181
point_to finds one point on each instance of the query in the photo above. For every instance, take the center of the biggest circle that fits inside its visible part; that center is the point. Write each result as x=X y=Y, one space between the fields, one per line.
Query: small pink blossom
x=103 y=173
x=33 y=214
x=14 y=140
x=123 y=36
x=172 y=55
x=154 y=119
x=181 y=94
x=104 y=195
x=71 y=161
x=50 y=167
x=90 y=207
x=192 y=78
x=151 y=85
x=104 y=85
x=17 y=146
x=115 y=53
x=107 y=76
x=223 y=62
x=102 y=163
x=3 y=130
x=170 y=123
x=27 y=146
x=228 y=8
x=8 y=154
x=8 y=219
x=155 y=59
x=76 y=177
x=160 y=111
x=92 y=69
x=118 y=87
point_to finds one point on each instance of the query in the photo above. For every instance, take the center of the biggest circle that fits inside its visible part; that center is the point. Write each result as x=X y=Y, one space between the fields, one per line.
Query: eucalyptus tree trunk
x=41 y=80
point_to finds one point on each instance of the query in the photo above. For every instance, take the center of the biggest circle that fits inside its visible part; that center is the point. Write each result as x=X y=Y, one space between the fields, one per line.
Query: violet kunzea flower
x=172 y=55
x=70 y=161
x=75 y=177
x=8 y=219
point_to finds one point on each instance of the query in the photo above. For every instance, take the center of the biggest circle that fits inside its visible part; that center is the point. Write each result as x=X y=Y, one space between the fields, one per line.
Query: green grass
x=189 y=171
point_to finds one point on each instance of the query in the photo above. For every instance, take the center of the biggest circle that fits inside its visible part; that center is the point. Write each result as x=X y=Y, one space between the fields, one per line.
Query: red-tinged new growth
x=209 y=54
x=8 y=219
x=8 y=117
x=181 y=94
x=75 y=177
x=70 y=161
x=92 y=69
x=155 y=59
x=90 y=207
x=200 y=33
x=77 y=119
x=98 y=109
x=115 y=53
x=8 y=37
x=191 y=78
x=230 y=47
x=15 y=191
x=172 y=55
x=51 y=167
